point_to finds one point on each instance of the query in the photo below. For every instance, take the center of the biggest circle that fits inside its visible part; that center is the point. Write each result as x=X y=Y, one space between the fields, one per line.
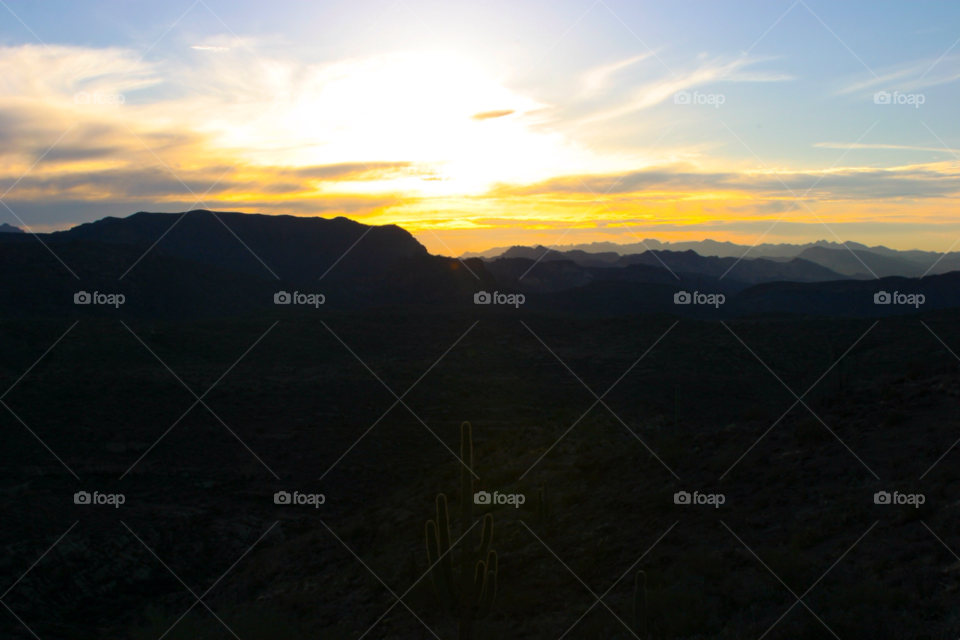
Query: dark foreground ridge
x=697 y=464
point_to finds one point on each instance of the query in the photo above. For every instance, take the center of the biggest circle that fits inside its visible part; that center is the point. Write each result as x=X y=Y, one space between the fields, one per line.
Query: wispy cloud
x=908 y=76
x=601 y=76
x=490 y=115
x=877 y=146
x=645 y=92
x=934 y=180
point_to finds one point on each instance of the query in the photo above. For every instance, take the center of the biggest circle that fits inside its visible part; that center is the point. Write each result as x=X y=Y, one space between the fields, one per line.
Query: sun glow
x=433 y=141
x=460 y=130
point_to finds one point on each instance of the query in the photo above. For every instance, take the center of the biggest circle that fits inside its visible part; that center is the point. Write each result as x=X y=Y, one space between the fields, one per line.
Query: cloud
x=203 y=47
x=907 y=76
x=355 y=170
x=864 y=145
x=932 y=180
x=488 y=115
x=388 y=138
x=599 y=77
x=646 y=92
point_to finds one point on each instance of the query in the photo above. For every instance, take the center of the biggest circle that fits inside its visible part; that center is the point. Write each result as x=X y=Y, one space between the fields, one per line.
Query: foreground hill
x=197 y=264
x=798 y=491
x=293 y=248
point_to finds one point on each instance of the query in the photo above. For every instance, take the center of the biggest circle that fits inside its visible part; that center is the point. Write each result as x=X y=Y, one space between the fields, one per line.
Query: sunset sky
x=479 y=124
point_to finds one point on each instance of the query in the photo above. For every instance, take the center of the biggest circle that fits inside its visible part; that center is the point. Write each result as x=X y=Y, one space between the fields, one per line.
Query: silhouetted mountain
x=605 y=252
x=197 y=267
x=298 y=249
x=749 y=271
x=199 y=264
x=615 y=298
x=841 y=298
x=857 y=263
x=6 y=228
x=548 y=276
x=850 y=297
x=746 y=271
x=949 y=262
x=542 y=253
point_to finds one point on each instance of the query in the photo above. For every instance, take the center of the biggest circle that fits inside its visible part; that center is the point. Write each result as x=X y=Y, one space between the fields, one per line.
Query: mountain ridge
x=200 y=263
x=848 y=260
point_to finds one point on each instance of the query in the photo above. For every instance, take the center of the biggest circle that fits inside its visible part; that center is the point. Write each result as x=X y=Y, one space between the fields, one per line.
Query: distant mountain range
x=199 y=264
x=742 y=272
x=850 y=259
x=6 y=228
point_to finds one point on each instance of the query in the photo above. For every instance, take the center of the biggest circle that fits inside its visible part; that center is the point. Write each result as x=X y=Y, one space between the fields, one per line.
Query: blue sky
x=370 y=110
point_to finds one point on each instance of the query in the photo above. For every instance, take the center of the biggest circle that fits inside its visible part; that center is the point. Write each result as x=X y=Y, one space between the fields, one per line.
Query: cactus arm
x=489 y=593
x=486 y=537
x=440 y=582
x=473 y=598
x=479 y=576
x=443 y=537
x=466 y=521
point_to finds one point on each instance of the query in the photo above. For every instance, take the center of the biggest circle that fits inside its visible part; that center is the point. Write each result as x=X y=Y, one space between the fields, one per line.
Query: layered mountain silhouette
x=743 y=271
x=847 y=259
x=863 y=264
x=203 y=263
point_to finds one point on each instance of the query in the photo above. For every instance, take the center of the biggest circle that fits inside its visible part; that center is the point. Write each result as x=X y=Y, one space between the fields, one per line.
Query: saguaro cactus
x=473 y=597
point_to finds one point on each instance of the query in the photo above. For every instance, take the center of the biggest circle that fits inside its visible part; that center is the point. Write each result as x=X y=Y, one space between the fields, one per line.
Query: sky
x=492 y=123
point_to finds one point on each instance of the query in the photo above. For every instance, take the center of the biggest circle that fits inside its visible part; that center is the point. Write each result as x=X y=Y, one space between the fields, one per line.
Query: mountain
x=840 y=298
x=746 y=271
x=199 y=264
x=749 y=271
x=6 y=228
x=602 y=251
x=542 y=253
x=852 y=298
x=290 y=247
x=489 y=253
x=860 y=264
x=548 y=276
